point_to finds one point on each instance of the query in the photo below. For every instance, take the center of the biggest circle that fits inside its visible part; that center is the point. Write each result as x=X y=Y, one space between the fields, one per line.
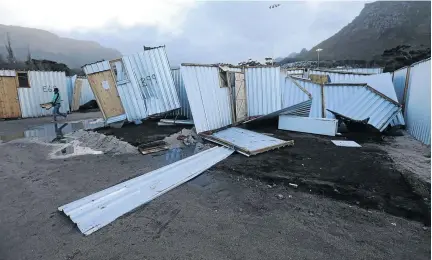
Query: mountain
x=379 y=26
x=49 y=46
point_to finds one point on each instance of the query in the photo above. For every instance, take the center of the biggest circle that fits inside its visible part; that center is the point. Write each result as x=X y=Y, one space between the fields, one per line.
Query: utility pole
x=318 y=51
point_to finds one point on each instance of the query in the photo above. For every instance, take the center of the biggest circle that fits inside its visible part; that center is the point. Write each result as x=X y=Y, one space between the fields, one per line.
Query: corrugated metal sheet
x=99 y=209
x=399 y=80
x=209 y=103
x=300 y=109
x=70 y=83
x=370 y=104
x=316 y=91
x=149 y=71
x=42 y=84
x=86 y=92
x=338 y=77
x=336 y=95
x=293 y=93
x=418 y=102
x=263 y=89
x=320 y=126
x=96 y=67
x=7 y=73
x=247 y=142
x=182 y=95
x=362 y=70
x=380 y=82
x=286 y=72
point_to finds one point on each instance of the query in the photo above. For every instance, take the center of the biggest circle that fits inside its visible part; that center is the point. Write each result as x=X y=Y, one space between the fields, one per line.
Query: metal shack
x=134 y=86
x=22 y=92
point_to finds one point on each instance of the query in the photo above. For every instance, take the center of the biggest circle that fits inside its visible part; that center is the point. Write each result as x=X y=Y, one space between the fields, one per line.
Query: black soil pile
x=148 y=131
x=362 y=176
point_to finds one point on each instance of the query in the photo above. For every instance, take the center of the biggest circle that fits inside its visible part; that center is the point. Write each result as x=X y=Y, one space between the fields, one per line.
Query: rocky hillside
x=46 y=45
x=379 y=26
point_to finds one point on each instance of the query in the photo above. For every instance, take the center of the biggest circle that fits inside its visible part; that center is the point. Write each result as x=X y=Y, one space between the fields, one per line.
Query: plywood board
x=9 y=103
x=76 y=95
x=105 y=90
x=240 y=97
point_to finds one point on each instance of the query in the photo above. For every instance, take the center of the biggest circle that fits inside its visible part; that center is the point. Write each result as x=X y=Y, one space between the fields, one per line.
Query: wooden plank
x=240 y=97
x=9 y=104
x=76 y=94
x=105 y=90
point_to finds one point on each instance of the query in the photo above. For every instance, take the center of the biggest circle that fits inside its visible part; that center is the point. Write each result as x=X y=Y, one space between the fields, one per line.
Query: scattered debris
x=346 y=143
x=153 y=147
x=185 y=137
x=176 y=122
x=279 y=196
x=393 y=224
x=321 y=126
x=246 y=142
x=99 y=209
x=293 y=185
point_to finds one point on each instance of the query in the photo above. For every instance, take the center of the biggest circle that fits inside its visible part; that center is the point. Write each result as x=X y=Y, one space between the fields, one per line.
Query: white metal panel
x=361 y=70
x=182 y=95
x=96 y=67
x=249 y=141
x=99 y=209
x=321 y=126
x=149 y=71
x=316 y=91
x=399 y=79
x=380 y=82
x=263 y=90
x=209 y=103
x=345 y=143
x=7 y=73
x=42 y=84
x=338 y=77
x=369 y=104
x=86 y=92
x=286 y=72
x=337 y=95
x=70 y=84
x=132 y=100
x=292 y=93
x=418 y=104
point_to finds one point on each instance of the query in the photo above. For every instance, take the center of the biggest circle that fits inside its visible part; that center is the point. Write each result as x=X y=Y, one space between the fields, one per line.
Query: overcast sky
x=201 y=32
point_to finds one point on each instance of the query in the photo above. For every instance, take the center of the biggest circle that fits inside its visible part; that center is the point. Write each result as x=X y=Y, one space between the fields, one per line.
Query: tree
x=10 y=54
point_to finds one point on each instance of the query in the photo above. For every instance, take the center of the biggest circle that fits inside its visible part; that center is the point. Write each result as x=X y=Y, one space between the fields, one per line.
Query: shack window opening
x=23 y=81
x=223 y=79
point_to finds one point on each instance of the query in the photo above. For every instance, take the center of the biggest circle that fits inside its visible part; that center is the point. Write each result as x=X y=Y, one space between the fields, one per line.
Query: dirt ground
x=351 y=203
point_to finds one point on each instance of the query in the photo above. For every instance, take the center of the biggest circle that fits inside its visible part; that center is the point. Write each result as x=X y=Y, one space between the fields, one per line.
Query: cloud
x=207 y=32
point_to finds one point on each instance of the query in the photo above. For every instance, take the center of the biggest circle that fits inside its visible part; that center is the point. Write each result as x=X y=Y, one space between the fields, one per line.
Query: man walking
x=56 y=102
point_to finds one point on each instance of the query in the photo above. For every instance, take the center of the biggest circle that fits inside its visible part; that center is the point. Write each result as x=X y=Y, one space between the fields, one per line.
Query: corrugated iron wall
x=209 y=103
x=182 y=95
x=336 y=95
x=418 y=102
x=7 y=73
x=70 y=83
x=337 y=77
x=292 y=94
x=263 y=89
x=42 y=84
x=86 y=92
x=399 y=80
x=316 y=91
x=149 y=71
x=362 y=70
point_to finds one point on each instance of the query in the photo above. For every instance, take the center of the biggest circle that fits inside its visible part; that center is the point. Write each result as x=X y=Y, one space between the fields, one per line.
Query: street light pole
x=318 y=51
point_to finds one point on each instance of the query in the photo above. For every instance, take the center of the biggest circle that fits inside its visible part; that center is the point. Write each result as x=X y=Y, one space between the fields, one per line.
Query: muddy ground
x=238 y=209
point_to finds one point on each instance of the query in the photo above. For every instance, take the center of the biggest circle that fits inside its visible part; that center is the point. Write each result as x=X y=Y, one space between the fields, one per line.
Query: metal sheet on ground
x=99 y=209
x=247 y=142
x=321 y=126
x=346 y=143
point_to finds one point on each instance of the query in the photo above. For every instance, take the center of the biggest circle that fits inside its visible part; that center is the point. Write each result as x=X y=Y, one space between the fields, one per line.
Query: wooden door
x=76 y=95
x=9 y=104
x=240 y=101
x=105 y=91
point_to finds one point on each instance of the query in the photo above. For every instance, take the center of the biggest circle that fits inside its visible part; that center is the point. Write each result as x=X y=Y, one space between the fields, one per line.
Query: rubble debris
x=153 y=147
x=177 y=121
x=246 y=142
x=321 y=126
x=101 y=208
x=279 y=196
x=346 y=143
x=185 y=137
x=293 y=185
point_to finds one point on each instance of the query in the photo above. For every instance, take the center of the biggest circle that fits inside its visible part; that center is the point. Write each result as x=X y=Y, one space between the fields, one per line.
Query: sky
x=193 y=32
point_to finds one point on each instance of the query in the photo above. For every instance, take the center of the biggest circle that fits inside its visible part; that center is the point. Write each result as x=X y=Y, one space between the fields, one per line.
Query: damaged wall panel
x=210 y=104
x=361 y=70
x=320 y=126
x=184 y=109
x=336 y=95
x=263 y=90
x=399 y=81
x=316 y=92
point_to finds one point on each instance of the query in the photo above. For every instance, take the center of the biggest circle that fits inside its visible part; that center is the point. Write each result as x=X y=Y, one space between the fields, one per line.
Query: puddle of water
x=55 y=132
